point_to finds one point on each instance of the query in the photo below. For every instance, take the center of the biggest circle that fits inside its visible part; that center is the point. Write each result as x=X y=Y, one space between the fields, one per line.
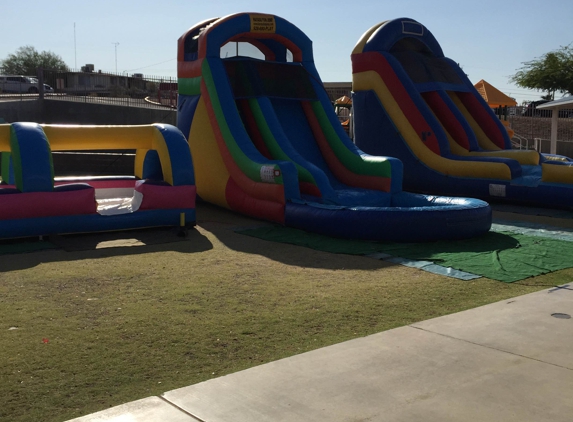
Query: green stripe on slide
x=16 y=159
x=369 y=166
x=189 y=86
x=251 y=169
x=272 y=144
x=5 y=166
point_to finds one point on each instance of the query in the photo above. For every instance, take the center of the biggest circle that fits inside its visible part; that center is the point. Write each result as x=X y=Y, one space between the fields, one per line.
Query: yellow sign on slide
x=263 y=23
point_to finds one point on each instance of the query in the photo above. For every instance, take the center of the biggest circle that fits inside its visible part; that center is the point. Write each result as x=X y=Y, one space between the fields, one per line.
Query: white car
x=18 y=84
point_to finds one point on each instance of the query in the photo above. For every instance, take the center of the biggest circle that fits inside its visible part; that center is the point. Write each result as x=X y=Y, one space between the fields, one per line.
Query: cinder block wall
x=71 y=112
x=74 y=112
x=21 y=111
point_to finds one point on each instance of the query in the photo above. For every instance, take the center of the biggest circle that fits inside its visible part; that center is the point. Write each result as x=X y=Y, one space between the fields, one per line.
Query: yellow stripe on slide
x=523 y=157
x=483 y=140
x=5 y=137
x=552 y=173
x=211 y=174
x=359 y=48
x=141 y=138
x=371 y=80
x=455 y=148
x=81 y=138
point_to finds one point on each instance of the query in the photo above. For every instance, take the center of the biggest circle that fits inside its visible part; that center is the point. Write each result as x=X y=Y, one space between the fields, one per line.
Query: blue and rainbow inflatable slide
x=266 y=142
x=413 y=103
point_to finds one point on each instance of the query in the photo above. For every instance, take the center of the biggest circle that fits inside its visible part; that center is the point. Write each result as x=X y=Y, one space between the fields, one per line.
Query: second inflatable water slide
x=413 y=103
x=266 y=142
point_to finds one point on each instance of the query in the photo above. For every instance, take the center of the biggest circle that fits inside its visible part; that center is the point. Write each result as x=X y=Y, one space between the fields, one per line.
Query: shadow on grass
x=15 y=253
x=489 y=242
x=291 y=254
x=301 y=249
x=295 y=247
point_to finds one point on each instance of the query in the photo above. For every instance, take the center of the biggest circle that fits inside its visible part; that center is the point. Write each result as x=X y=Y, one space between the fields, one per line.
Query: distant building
x=89 y=82
x=336 y=90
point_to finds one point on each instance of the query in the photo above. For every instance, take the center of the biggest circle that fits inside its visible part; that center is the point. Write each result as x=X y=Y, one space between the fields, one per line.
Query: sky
x=489 y=39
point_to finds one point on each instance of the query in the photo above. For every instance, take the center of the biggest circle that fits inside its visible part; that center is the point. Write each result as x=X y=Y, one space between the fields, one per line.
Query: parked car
x=48 y=88
x=531 y=110
x=18 y=84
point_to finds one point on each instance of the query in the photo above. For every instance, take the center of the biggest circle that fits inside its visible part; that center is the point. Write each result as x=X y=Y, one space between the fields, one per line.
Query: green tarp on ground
x=502 y=256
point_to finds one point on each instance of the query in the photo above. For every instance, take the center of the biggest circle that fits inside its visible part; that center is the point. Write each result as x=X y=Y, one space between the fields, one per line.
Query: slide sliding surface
x=413 y=103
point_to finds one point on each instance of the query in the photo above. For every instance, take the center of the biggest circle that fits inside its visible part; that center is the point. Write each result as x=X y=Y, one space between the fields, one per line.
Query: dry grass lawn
x=88 y=328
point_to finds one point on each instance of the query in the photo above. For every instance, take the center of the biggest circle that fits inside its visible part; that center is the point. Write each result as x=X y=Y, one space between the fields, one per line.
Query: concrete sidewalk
x=507 y=361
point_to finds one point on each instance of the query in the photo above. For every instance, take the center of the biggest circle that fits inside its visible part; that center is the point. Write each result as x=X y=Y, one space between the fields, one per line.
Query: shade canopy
x=557 y=104
x=343 y=101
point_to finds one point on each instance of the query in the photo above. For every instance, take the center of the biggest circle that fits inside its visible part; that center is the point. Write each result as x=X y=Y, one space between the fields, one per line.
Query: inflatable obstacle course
x=266 y=142
x=34 y=203
x=412 y=102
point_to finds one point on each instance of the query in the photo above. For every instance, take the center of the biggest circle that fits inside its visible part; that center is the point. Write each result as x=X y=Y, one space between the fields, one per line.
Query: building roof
x=493 y=96
x=557 y=104
x=343 y=101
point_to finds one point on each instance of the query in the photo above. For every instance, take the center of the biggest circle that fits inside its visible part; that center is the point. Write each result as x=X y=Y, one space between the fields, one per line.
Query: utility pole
x=116 y=44
x=75 y=50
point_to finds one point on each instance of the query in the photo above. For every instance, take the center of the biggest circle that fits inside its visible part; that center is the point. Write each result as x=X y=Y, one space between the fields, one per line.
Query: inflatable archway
x=33 y=202
x=266 y=142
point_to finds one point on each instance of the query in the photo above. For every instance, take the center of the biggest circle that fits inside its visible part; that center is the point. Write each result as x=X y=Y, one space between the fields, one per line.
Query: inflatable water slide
x=266 y=142
x=35 y=203
x=413 y=103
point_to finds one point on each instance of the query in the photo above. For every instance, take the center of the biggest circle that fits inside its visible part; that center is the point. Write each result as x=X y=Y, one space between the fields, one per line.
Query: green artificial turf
x=502 y=256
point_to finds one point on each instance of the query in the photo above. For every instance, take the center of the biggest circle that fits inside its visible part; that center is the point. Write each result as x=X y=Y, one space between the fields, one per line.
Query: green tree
x=552 y=72
x=26 y=60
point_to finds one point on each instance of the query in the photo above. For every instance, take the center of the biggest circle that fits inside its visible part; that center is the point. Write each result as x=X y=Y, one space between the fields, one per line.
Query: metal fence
x=135 y=89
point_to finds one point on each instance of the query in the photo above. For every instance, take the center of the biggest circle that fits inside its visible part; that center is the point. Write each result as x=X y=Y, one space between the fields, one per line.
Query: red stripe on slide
x=341 y=172
x=156 y=197
x=375 y=61
x=240 y=201
x=47 y=204
x=189 y=69
x=258 y=141
x=482 y=117
x=267 y=191
x=101 y=184
x=253 y=129
x=447 y=118
x=309 y=189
